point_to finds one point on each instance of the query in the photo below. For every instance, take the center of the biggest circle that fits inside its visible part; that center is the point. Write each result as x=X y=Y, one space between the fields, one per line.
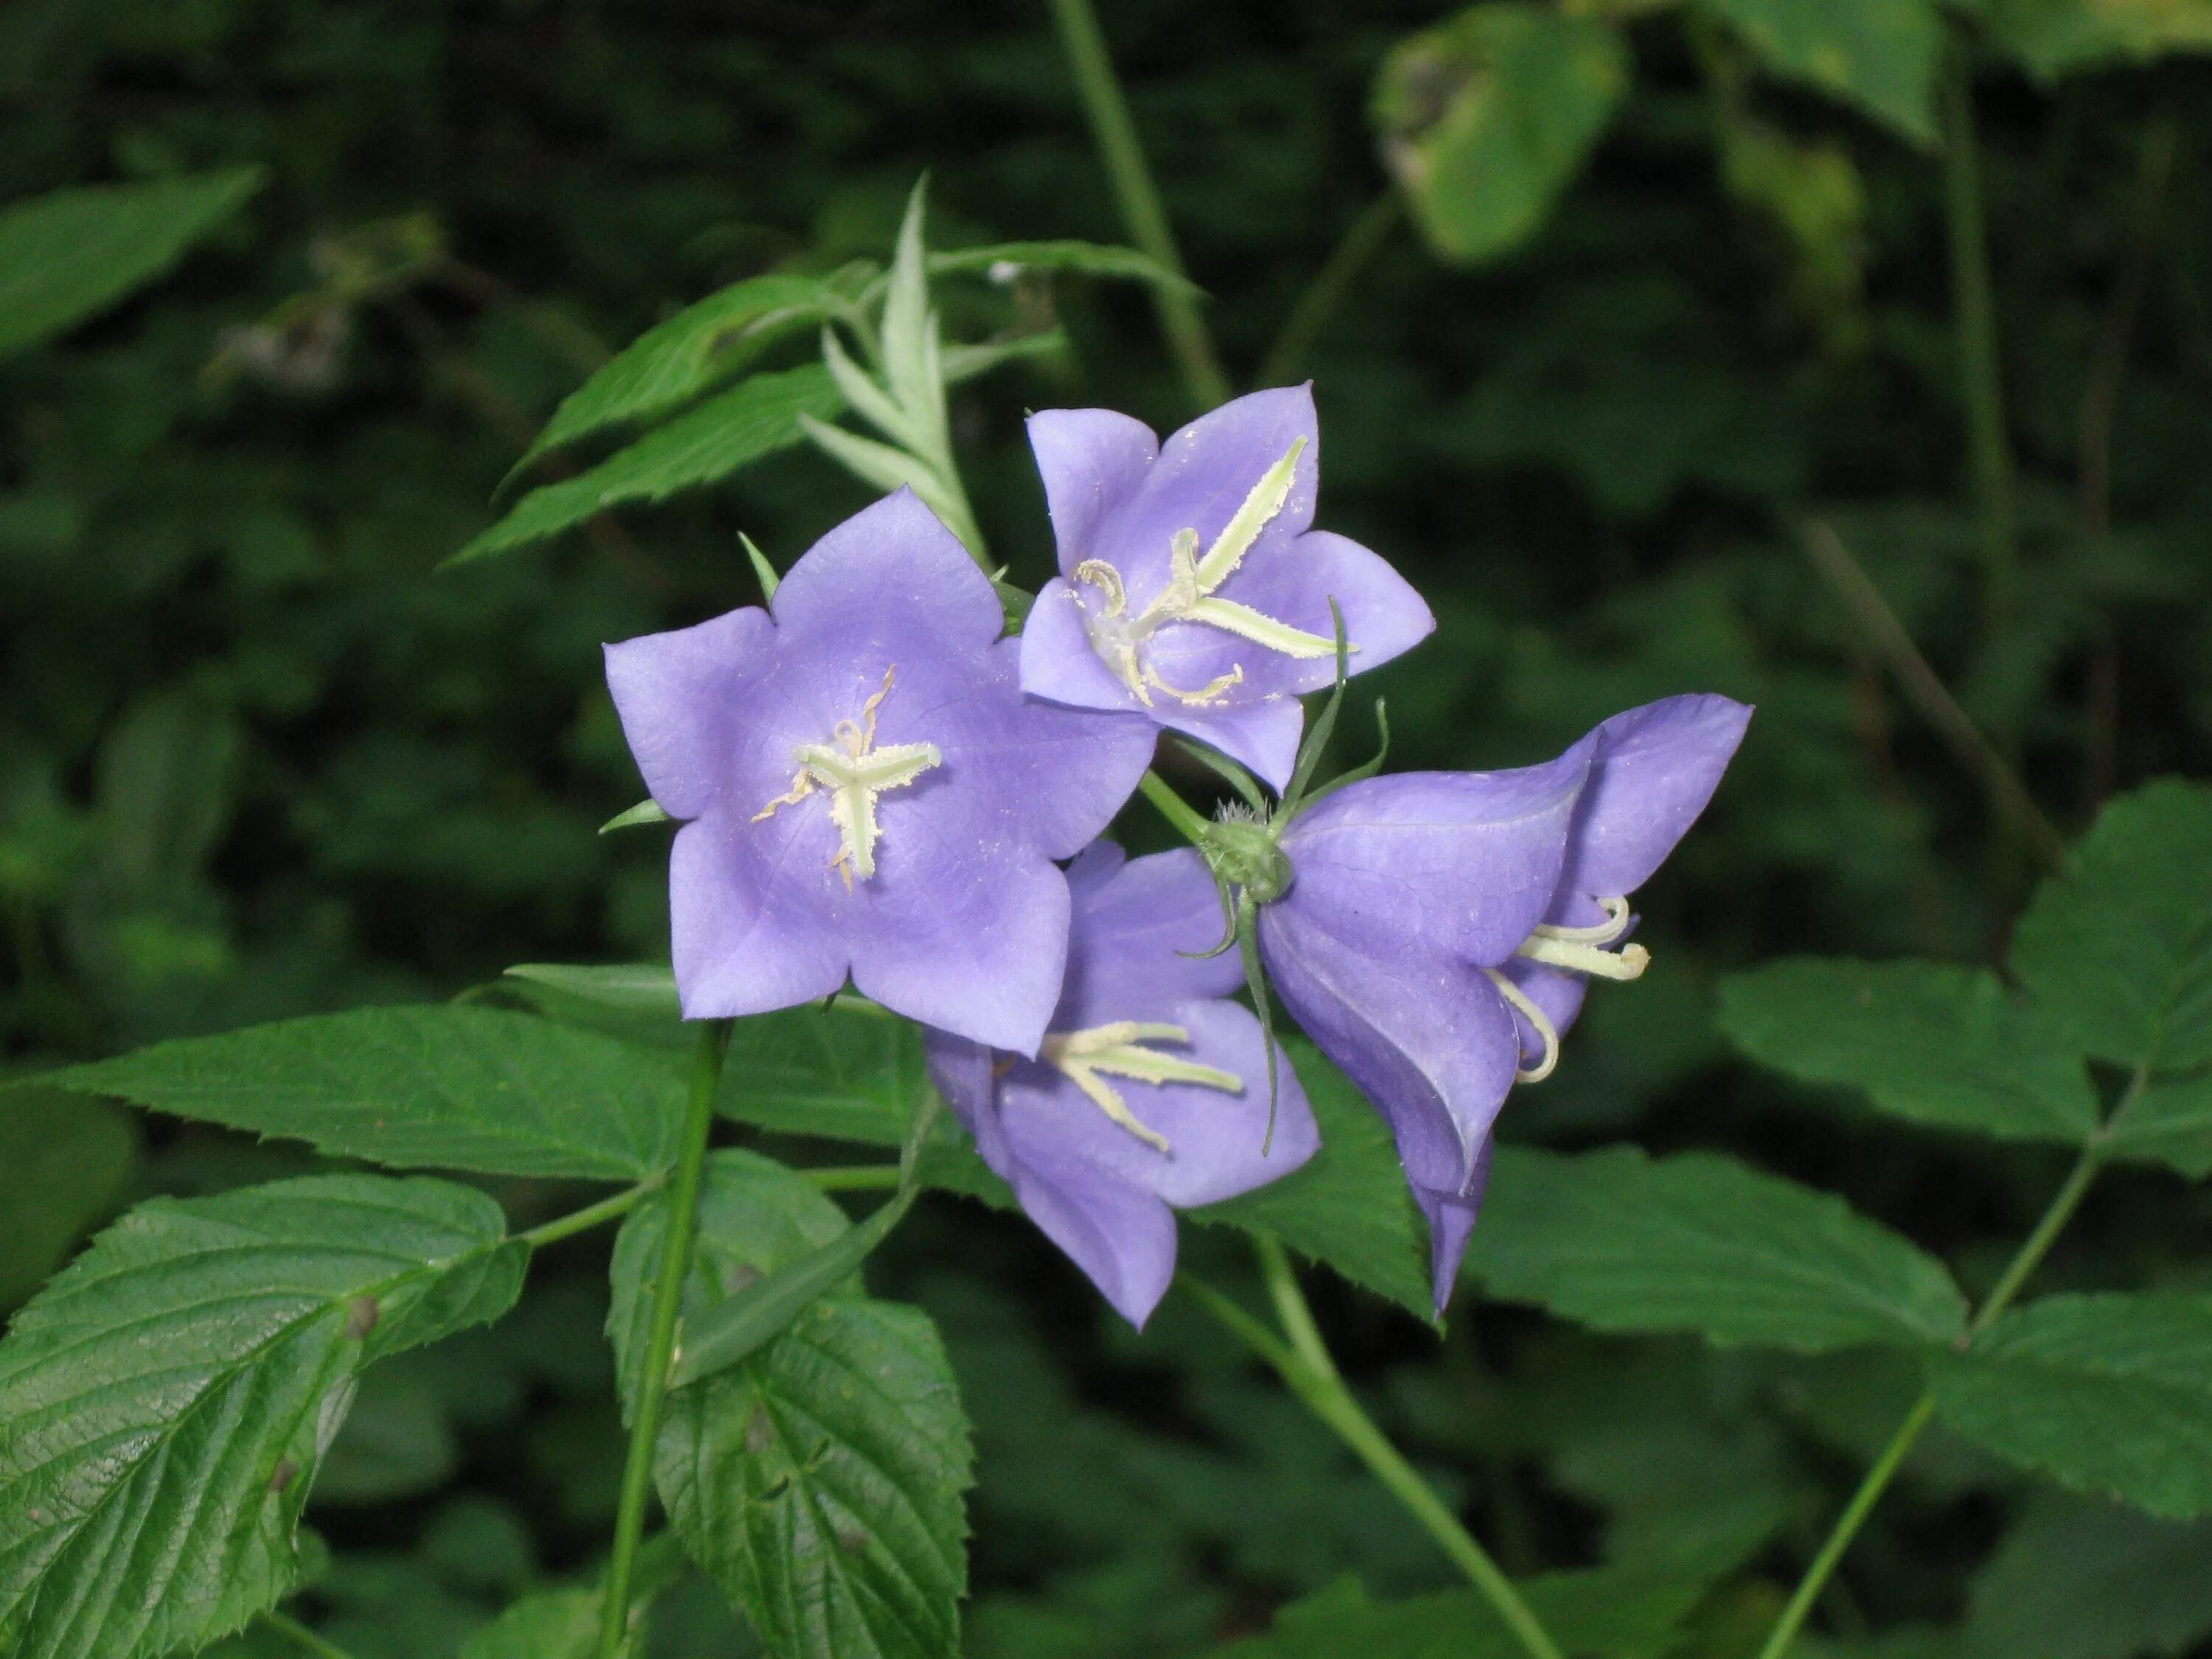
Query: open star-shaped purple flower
x=1438 y=927
x=867 y=790
x=1192 y=587
x=1150 y=1092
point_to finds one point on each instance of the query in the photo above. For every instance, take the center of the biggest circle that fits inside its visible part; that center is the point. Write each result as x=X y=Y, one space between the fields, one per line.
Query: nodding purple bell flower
x=866 y=790
x=1193 y=589
x=1434 y=932
x=1150 y=1092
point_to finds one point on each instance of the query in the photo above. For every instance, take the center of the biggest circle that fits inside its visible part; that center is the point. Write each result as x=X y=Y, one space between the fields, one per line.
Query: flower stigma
x=1118 y=1049
x=855 y=771
x=1577 y=950
x=1189 y=597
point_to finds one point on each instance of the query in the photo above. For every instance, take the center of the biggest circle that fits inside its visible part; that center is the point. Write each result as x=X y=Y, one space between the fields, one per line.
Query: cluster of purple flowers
x=878 y=783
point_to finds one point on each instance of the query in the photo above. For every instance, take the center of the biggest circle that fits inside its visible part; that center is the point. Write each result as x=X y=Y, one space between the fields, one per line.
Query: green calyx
x=1242 y=851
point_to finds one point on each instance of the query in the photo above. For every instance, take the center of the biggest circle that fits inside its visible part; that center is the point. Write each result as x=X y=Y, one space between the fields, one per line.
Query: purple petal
x=1262 y=737
x=742 y=943
x=1061 y=774
x=1121 y=1237
x=676 y=694
x=1428 y=1039
x=966 y=1074
x=1201 y=478
x=1383 y=617
x=1458 y=864
x=1131 y=924
x=1556 y=991
x=1656 y=768
x=1451 y=1222
x=1059 y=660
x=892 y=567
x=1089 y=459
x=1215 y=1139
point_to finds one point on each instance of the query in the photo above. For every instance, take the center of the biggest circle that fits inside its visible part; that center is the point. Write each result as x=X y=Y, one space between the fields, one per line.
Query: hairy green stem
x=2025 y=1261
x=1139 y=198
x=1369 y=232
x=1187 y=819
x=591 y=1216
x=301 y=1636
x=660 y=1338
x=1304 y=1363
x=1974 y=315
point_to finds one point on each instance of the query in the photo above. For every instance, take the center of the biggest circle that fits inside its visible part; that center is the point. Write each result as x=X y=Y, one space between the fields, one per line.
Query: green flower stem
x=301 y=1636
x=1139 y=199
x=2025 y=1261
x=1178 y=811
x=593 y=1215
x=1305 y=1364
x=660 y=1339
x=1369 y=232
x=1974 y=314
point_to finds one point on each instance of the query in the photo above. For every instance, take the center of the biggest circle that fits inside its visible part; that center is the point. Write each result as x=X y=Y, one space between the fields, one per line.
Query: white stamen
x=1583 y=949
x=1536 y=1016
x=1118 y=1049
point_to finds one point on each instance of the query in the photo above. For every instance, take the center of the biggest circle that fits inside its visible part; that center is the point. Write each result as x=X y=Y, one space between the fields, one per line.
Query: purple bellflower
x=1193 y=589
x=1434 y=932
x=867 y=791
x=1149 y=1093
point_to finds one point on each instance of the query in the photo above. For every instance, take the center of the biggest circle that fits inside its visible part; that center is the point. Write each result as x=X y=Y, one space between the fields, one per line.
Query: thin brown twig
x=1928 y=693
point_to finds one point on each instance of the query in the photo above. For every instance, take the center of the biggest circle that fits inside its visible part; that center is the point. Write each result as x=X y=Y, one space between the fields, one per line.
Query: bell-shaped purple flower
x=1192 y=588
x=867 y=789
x=1150 y=1092
x=1433 y=924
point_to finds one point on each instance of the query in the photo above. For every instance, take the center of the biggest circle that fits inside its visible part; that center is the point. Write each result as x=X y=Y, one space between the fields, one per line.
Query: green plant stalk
x=1974 y=316
x=1187 y=819
x=2025 y=1261
x=660 y=1338
x=1139 y=198
x=591 y=1216
x=301 y=1636
x=1369 y=232
x=1305 y=1364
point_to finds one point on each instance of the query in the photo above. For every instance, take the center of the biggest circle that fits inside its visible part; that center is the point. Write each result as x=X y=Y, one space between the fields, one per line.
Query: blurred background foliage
x=1604 y=305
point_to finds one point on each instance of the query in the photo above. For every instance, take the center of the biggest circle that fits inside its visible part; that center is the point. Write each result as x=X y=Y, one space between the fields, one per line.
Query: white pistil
x=1536 y=1016
x=1583 y=950
x=855 y=771
x=1189 y=597
x=1089 y=1056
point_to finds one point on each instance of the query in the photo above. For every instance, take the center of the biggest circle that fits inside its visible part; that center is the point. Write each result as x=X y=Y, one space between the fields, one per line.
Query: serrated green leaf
x=451 y=1087
x=2076 y=1579
x=844 y=1071
x=757 y=416
x=167 y=1399
x=1613 y=1613
x=818 y=1482
x=2055 y=38
x=1348 y=1205
x=69 y=255
x=2168 y=1121
x=1928 y=1041
x=2120 y=947
x=1881 y=55
x=65 y=1166
x=1086 y=259
x=690 y=354
x=2107 y=1394
x=1698 y=1242
x=1487 y=118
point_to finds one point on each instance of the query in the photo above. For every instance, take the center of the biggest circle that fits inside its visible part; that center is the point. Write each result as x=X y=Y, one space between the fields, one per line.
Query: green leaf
x=65 y=1165
x=689 y=354
x=1881 y=55
x=818 y=1482
x=848 y=1071
x=1487 y=118
x=1348 y=1206
x=639 y=987
x=65 y=257
x=1085 y=258
x=451 y=1087
x=2054 y=38
x=554 y=1624
x=167 y=1400
x=1930 y=1041
x=2120 y=947
x=1698 y=1242
x=2082 y=1580
x=757 y=416
x=2169 y=1121
x=2107 y=1394
x=1616 y=1612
